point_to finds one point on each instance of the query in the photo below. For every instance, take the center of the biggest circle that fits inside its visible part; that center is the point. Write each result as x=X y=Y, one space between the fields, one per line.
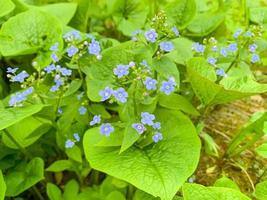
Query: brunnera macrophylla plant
x=128 y=109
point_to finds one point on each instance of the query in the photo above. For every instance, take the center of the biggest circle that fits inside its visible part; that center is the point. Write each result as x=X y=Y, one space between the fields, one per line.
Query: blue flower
x=82 y=110
x=255 y=58
x=166 y=46
x=96 y=120
x=237 y=33
x=65 y=72
x=131 y=64
x=252 y=48
x=54 y=57
x=54 y=88
x=199 y=48
x=156 y=125
x=19 y=97
x=232 y=47
x=106 y=93
x=134 y=35
x=72 y=51
x=50 y=68
x=11 y=70
x=151 y=35
x=60 y=111
x=175 y=30
x=168 y=86
x=150 y=83
x=80 y=96
x=140 y=128
x=72 y=35
x=144 y=63
x=106 y=129
x=212 y=60
x=120 y=95
x=58 y=82
x=248 y=34
x=220 y=72
x=69 y=144
x=54 y=47
x=121 y=70
x=76 y=137
x=223 y=52
x=147 y=118
x=20 y=77
x=94 y=48
x=157 y=137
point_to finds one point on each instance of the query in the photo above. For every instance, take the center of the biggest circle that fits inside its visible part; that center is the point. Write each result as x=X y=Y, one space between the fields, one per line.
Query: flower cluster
x=59 y=74
x=148 y=119
x=119 y=94
x=19 y=97
x=20 y=77
x=71 y=142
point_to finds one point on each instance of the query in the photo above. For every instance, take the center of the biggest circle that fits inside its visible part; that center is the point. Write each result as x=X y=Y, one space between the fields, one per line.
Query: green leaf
x=26 y=132
x=10 y=116
x=115 y=195
x=22 y=179
x=199 y=192
x=181 y=12
x=226 y=182
x=75 y=154
x=53 y=192
x=210 y=145
x=6 y=7
x=28 y=33
x=182 y=50
x=262 y=150
x=59 y=165
x=205 y=23
x=71 y=190
x=130 y=137
x=2 y=187
x=100 y=73
x=177 y=102
x=261 y=190
x=166 y=68
x=63 y=11
x=258 y=15
x=159 y=169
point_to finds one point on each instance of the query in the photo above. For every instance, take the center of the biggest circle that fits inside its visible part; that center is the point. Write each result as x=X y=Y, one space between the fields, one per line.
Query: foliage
x=107 y=100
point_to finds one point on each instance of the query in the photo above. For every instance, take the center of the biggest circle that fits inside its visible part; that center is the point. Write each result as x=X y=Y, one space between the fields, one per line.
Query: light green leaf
x=258 y=15
x=204 y=23
x=226 y=182
x=166 y=68
x=75 y=154
x=182 y=50
x=71 y=190
x=28 y=33
x=130 y=137
x=181 y=12
x=177 y=102
x=199 y=192
x=53 y=192
x=22 y=179
x=115 y=195
x=2 y=186
x=63 y=11
x=262 y=150
x=26 y=132
x=159 y=169
x=261 y=190
x=10 y=116
x=6 y=7
x=59 y=165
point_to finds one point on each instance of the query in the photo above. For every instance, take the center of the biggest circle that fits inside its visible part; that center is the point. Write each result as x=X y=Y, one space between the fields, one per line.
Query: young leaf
x=226 y=182
x=59 y=165
x=2 y=186
x=53 y=192
x=262 y=150
x=20 y=180
x=199 y=192
x=6 y=7
x=10 y=116
x=156 y=168
x=261 y=190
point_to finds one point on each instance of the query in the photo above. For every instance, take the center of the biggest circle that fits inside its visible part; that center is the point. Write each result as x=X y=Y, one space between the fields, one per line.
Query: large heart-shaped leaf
x=159 y=169
x=199 y=192
x=29 y=32
x=25 y=177
x=2 y=186
x=11 y=116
